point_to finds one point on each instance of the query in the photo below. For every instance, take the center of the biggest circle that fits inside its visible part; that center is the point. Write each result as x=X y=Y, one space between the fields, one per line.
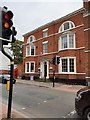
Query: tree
x=17 y=49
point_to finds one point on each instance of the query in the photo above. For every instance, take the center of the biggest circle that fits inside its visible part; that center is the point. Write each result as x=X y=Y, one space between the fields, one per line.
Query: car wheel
x=87 y=113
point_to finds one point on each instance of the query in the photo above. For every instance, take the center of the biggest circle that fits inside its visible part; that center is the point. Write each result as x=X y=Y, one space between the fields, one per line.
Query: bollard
x=8 y=86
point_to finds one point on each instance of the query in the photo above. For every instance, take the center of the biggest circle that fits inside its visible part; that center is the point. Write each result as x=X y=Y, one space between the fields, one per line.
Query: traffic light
x=54 y=60
x=6 y=25
x=57 y=59
x=14 y=32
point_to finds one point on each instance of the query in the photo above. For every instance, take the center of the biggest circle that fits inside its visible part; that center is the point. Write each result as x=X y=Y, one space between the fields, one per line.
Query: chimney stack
x=86 y=5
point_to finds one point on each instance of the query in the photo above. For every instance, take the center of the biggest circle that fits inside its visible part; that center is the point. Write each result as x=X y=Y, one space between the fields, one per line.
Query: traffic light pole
x=55 y=61
x=11 y=83
x=10 y=91
x=54 y=76
x=6 y=30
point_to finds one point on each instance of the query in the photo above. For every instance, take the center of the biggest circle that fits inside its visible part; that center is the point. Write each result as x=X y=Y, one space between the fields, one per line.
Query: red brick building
x=18 y=69
x=67 y=37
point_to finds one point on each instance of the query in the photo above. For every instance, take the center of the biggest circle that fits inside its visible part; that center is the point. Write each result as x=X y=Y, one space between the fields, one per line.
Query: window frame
x=29 y=67
x=26 y=69
x=71 y=26
x=68 y=41
x=68 y=65
x=64 y=65
x=30 y=48
x=45 y=43
x=45 y=33
x=33 y=39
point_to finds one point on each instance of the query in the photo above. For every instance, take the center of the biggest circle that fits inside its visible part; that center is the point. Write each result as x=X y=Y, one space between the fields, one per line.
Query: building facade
x=67 y=37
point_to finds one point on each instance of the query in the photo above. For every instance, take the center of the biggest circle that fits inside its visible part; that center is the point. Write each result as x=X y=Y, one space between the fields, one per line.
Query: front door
x=45 y=69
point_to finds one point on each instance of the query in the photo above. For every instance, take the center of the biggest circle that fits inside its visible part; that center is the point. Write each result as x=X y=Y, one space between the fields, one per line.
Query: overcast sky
x=31 y=14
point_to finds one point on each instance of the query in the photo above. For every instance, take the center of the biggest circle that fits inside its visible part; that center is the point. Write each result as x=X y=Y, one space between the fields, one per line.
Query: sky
x=31 y=14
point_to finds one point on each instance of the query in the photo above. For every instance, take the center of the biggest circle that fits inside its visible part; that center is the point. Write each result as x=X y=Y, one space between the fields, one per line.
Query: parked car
x=82 y=102
x=5 y=77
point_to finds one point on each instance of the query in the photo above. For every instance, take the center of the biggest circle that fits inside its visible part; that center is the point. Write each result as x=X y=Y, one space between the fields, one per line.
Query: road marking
x=23 y=108
x=39 y=103
x=44 y=101
x=70 y=114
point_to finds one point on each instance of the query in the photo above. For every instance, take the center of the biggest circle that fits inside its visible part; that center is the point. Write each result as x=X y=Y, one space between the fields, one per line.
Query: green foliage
x=17 y=49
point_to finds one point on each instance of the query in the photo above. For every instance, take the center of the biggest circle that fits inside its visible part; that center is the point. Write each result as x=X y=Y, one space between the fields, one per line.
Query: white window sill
x=29 y=72
x=67 y=49
x=30 y=56
x=67 y=73
x=45 y=53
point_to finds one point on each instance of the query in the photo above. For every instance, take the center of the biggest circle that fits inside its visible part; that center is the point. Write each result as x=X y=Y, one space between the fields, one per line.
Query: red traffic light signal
x=7 y=19
x=8 y=15
x=6 y=25
x=7 y=22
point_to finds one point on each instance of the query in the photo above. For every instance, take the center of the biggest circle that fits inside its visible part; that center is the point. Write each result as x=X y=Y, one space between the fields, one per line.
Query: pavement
x=57 y=86
x=14 y=113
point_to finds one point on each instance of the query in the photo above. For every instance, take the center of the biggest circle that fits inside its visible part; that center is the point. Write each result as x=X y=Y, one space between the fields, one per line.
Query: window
x=68 y=65
x=64 y=42
x=30 y=67
x=31 y=39
x=67 y=41
x=27 y=67
x=71 y=41
x=71 y=65
x=45 y=33
x=30 y=50
x=64 y=65
x=45 y=47
x=66 y=26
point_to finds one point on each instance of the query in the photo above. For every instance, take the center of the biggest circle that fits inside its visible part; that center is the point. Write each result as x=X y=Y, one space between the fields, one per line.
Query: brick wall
x=4 y=71
x=18 y=71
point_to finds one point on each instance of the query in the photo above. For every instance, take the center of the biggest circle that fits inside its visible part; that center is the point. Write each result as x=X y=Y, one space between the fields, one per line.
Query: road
x=41 y=102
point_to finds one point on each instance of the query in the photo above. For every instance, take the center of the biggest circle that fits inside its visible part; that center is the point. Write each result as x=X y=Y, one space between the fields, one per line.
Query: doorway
x=44 y=69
